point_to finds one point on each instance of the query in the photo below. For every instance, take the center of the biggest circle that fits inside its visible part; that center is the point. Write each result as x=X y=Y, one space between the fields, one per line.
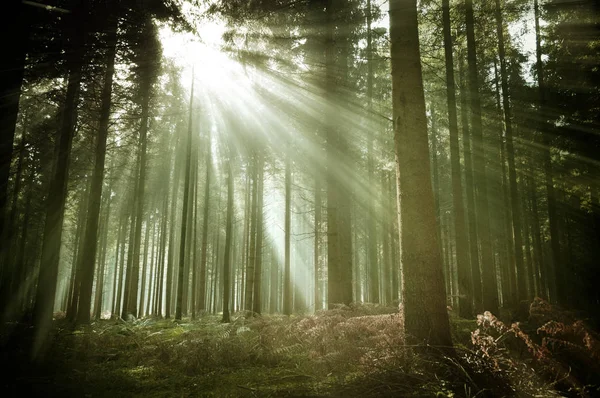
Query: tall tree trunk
x=203 y=254
x=372 y=227
x=100 y=281
x=508 y=275
x=287 y=284
x=158 y=302
x=147 y=71
x=14 y=27
x=27 y=275
x=130 y=248
x=424 y=296
x=10 y=271
x=559 y=294
x=252 y=250
x=339 y=228
x=490 y=288
x=184 y=211
x=172 y=223
x=465 y=283
x=228 y=239
x=88 y=262
x=512 y=173
x=194 y=237
x=144 y=268
x=470 y=193
x=120 y=242
x=55 y=202
x=257 y=301
x=317 y=231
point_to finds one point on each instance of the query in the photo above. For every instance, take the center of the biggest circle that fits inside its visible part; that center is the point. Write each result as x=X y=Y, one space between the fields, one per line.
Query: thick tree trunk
x=424 y=295
x=339 y=228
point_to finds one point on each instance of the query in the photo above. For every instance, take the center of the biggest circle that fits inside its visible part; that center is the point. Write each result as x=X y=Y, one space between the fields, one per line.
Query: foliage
x=353 y=350
x=561 y=354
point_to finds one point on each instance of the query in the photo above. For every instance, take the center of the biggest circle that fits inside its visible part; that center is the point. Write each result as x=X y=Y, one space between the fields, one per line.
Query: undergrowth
x=354 y=351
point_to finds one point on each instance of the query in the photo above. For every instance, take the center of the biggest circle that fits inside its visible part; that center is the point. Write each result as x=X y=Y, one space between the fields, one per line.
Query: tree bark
x=512 y=173
x=184 y=211
x=287 y=284
x=559 y=294
x=465 y=283
x=203 y=254
x=14 y=27
x=257 y=300
x=228 y=239
x=88 y=261
x=490 y=289
x=55 y=202
x=424 y=295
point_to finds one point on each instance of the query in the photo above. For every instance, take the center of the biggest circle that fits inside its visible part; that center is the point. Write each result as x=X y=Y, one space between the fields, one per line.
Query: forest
x=300 y=198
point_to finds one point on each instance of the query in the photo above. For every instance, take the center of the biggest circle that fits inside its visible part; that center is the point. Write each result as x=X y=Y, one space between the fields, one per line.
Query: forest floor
x=348 y=352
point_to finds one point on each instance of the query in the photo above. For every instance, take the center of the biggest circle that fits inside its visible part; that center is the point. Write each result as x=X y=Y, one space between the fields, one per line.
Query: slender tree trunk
x=228 y=239
x=252 y=251
x=512 y=173
x=27 y=275
x=147 y=70
x=194 y=237
x=140 y=304
x=120 y=243
x=130 y=248
x=203 y=254
x=470 y=193
x=424 y=296
x=287 y=284
x=119 y=297
x=153 y=278
x=490 y=288
x=158 y=305
x=372 y=228
x=559 y=294
x=317 y=232
x=184 y=211
x=55 y=202
x=465 y=283
x=100 y=281
x=257 y=302
x=509 y=291
x=88 y=261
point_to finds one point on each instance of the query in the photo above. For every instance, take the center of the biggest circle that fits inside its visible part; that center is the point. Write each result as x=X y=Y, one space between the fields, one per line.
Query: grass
x=347 y=352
